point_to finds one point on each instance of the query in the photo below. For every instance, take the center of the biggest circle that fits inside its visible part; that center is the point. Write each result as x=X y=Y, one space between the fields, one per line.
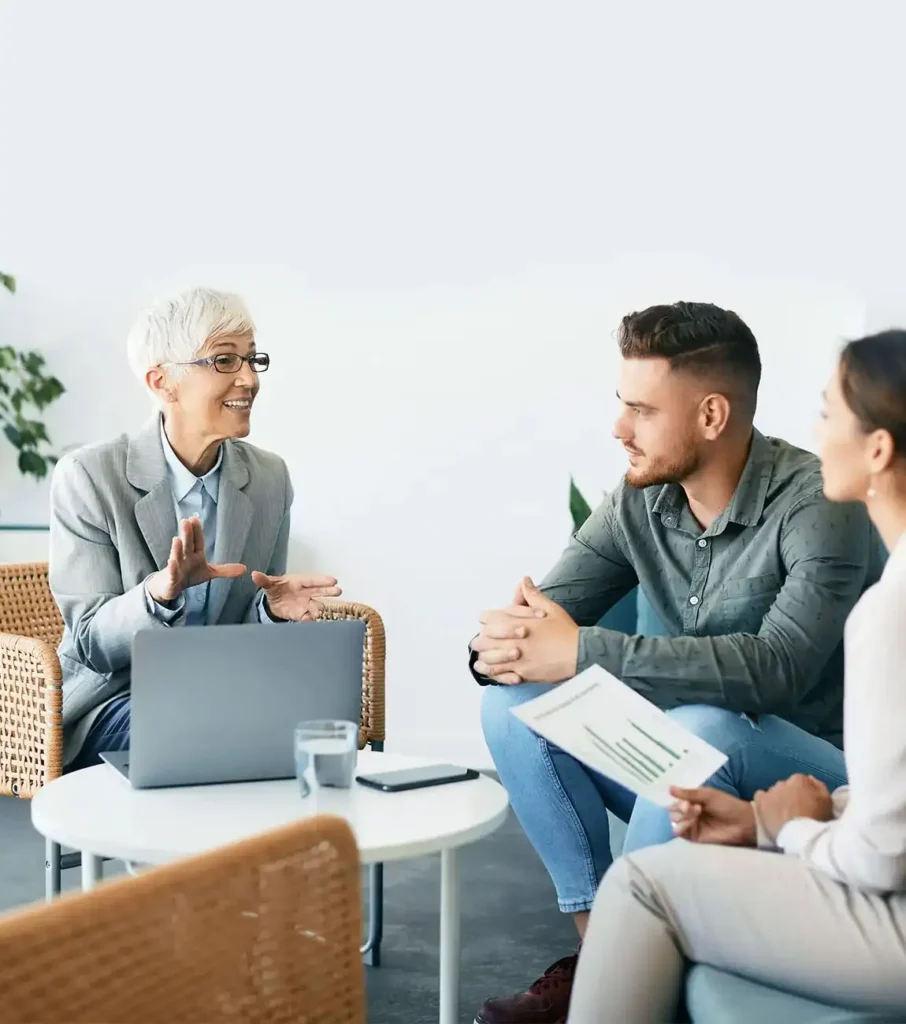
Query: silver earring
x=871 y=491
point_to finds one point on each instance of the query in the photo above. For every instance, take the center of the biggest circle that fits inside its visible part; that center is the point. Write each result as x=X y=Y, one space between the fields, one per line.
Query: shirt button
x=702 y=543
x=693 y=600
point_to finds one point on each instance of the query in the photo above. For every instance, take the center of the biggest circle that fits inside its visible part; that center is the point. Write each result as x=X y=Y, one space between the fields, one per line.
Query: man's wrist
x=598 y=645
x=575 y=664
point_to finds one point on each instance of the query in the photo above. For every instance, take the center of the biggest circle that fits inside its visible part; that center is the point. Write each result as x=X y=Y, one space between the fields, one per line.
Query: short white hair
x=175 y=329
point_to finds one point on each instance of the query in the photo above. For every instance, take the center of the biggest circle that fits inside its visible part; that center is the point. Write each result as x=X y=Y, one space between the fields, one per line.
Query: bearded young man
x=750 y=569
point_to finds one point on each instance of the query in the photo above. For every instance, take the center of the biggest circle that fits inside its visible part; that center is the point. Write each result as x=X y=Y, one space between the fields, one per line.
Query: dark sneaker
x=546 y=1002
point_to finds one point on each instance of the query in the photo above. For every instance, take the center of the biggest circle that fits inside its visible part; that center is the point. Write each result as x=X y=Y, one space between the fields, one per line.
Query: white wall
x=438 y=215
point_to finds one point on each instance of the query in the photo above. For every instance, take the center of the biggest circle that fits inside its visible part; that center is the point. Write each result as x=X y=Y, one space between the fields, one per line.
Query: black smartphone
x=416 y=778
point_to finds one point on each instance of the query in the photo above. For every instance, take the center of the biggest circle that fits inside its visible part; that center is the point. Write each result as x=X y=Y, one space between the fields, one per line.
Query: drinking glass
x=325 y=755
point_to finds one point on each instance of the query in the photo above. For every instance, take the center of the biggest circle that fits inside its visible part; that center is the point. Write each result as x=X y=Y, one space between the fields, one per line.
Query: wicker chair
x=31 y=732
x=266 y=930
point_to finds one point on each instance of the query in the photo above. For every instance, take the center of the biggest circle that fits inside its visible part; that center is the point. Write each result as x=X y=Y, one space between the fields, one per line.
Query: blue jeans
x=109 y=731
x=562 y=805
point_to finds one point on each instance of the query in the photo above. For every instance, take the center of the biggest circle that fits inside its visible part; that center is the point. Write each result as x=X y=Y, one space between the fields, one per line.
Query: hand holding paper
x=707 y=815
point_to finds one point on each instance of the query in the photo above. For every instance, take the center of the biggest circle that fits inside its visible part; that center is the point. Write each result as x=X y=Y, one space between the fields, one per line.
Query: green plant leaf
x=13 y=435
x=24 y=386
x=578 y=506
x=45 y=390
x=33 y=363
x=32 y=464
x=37 y=431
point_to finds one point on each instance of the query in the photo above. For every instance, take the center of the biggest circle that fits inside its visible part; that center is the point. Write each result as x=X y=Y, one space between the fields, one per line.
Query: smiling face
x=658 y=422
x=209 y=404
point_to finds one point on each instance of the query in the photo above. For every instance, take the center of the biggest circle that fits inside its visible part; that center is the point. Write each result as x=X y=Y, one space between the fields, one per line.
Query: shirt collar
x=668 y=503
x=182 y=480
x=747 y=504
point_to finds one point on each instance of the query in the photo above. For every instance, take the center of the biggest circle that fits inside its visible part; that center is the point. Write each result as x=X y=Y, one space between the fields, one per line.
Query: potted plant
x=25 y=392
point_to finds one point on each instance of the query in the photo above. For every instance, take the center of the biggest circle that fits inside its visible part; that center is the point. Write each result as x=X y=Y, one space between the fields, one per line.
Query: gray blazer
x=111 y=525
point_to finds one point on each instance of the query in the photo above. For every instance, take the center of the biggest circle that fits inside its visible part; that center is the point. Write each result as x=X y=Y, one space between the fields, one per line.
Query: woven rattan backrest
x=31 y=733
x=371 y=729
x=27 y=607
x=267 y=930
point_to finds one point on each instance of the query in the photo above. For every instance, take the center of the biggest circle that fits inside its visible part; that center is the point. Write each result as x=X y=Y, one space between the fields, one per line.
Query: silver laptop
x=219 y=703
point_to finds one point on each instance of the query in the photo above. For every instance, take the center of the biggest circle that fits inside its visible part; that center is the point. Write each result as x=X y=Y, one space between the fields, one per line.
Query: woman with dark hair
x=827 y=919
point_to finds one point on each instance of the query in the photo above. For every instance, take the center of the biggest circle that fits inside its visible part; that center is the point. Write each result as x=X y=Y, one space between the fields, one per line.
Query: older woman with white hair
x=160 y=529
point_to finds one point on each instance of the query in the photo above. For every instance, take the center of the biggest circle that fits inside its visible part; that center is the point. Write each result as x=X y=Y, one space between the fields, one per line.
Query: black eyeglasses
x=230 y=362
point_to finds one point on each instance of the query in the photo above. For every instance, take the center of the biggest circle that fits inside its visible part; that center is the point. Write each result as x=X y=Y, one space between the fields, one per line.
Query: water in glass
x=325 y=755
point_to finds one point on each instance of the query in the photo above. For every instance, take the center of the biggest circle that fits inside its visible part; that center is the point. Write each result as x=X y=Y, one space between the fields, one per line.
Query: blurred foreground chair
x=31 y=731
x=265 y=930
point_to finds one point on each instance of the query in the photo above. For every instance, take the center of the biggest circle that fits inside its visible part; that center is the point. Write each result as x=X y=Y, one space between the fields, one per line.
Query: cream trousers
x=764 y=916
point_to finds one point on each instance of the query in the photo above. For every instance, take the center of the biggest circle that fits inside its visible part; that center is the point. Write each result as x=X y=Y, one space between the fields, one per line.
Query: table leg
x=92 y=871
x=52 y=868
x=371 y=950
x=449 y=937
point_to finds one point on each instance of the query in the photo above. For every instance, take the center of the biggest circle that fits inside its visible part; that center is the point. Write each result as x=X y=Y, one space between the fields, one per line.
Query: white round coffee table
x=96 y=812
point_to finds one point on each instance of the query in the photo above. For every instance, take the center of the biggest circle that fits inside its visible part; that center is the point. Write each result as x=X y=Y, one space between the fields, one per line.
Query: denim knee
x=714 y=725
x=502 y=729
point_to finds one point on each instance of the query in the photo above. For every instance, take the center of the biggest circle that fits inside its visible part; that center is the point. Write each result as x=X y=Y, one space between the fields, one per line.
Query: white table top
x=96 y=811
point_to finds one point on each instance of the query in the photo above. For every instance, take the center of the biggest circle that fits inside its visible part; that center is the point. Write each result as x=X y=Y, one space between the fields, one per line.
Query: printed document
x=612 y=729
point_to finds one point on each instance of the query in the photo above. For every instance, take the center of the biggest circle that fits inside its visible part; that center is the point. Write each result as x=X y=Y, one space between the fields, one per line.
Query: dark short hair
x=700 y=338
x=873 y=381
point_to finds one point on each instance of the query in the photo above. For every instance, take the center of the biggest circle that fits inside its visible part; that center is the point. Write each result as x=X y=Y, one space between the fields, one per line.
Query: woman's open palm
x=187 y=565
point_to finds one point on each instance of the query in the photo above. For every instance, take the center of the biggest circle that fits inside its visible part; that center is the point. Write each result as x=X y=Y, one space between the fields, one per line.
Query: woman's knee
x=619 y=884
x=647 y=870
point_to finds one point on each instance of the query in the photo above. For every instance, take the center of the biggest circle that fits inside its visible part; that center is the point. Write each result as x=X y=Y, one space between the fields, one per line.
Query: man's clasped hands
x=532 y=641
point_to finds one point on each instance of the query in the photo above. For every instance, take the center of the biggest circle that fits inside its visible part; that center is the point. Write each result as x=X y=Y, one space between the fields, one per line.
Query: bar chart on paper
x=617 y=732
x=642 y=755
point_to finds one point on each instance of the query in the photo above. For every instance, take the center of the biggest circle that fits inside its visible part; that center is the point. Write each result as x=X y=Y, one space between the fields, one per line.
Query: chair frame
x=31 y=722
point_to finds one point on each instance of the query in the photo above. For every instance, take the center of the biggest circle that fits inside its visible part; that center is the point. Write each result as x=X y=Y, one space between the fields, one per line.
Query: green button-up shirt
x=753 y=606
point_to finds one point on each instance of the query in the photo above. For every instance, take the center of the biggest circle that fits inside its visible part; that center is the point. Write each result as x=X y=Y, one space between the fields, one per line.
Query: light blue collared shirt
x=194 y=496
